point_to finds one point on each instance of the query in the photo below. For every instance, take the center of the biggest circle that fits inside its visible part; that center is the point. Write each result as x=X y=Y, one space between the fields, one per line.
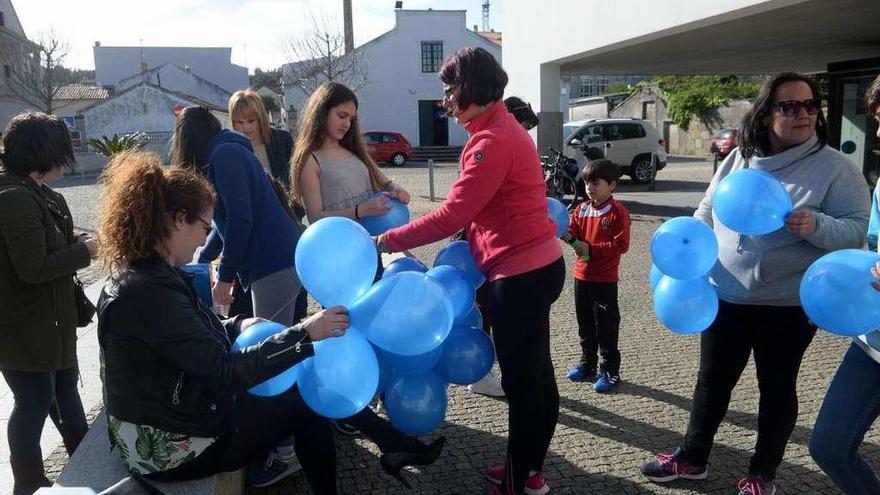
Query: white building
x=115 y=63
x=402 y=91
x=840 y=37
x=179 y=79
x=15 y=49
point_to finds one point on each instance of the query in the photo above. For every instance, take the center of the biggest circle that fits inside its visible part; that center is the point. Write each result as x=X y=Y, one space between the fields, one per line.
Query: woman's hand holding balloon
x=374 y=206
x=331 y=322
x=801 y=222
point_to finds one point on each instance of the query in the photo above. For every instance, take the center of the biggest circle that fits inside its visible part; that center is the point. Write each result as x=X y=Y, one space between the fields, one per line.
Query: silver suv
x=629 y=143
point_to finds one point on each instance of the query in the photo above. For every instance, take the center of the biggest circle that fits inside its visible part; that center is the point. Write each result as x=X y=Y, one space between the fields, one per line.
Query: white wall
x=393 y=63
x=114 y=63
x=142 y=109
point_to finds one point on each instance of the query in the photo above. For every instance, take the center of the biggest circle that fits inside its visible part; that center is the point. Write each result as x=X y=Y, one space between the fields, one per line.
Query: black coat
x=279 y=151
x=38 y=257
x=165 y=358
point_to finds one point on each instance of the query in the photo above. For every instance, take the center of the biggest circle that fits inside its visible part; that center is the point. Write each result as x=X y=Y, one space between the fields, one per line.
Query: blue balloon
x=255 y=334
x=395 y=217
x=559 y=214
x=684 y=248
x=407 y=314
x=386 y=373
x=458 y=254
x=201 y=281
x=751 y=202
x=416 y=404
x=467 y=356
x=837 y=295
x=473 y=318
x=405 y=264
x=342 y=377
x=654 y=276
x=336 y=261
x=456 y=283
x=685 y=306
x=411 y=365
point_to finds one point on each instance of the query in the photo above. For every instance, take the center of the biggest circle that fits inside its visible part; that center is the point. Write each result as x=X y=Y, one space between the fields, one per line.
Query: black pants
x=779 y=336
x=598 y=318
x=38 y=395
x=521 y=325
x=261 y=424
x=484 y=304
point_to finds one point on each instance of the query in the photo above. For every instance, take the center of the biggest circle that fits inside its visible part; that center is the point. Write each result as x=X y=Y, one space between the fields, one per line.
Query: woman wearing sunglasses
x=758 y=277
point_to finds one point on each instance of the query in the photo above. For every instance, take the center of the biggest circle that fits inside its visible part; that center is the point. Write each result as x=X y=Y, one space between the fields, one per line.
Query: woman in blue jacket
x=259 y=237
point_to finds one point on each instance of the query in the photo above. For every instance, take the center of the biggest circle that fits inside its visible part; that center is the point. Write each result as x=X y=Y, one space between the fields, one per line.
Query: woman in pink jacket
x=499 y=200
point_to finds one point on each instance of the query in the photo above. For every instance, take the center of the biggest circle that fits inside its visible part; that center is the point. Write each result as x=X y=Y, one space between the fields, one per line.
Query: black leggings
x=261 y=424
x=37 y=395
x=521 y=326
x=779 y=336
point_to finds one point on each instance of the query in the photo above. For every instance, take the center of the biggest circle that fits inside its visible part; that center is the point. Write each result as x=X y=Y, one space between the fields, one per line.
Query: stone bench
x=94 y=468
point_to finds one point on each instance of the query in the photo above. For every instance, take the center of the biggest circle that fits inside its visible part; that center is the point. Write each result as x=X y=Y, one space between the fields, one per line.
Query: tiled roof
x=82 y=92
x=493 y=36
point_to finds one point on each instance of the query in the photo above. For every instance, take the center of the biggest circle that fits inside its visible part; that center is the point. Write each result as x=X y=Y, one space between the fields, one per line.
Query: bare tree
x=36 y=77
x=318 y=55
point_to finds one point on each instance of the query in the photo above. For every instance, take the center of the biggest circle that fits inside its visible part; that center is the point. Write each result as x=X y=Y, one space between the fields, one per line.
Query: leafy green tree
x=619 y=87
x=698 y=96
x=268 y=78
x=270 y=103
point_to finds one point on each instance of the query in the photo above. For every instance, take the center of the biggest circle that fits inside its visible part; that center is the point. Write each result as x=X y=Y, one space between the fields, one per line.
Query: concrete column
x=550 y=128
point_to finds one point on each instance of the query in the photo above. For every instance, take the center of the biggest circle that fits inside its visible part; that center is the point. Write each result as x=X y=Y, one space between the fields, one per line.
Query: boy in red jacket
x=599 y=232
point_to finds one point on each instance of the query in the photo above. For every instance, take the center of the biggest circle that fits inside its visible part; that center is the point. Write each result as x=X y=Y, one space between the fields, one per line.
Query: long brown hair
x=194 y=130
x=138 y=197
x=313 y=129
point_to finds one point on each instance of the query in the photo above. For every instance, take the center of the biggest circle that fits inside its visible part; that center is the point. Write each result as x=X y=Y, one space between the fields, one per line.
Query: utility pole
x=347 y=26
x=485 y=15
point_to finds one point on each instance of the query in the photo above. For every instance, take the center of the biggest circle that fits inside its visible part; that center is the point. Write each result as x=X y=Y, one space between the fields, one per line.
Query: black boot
x=393 y=462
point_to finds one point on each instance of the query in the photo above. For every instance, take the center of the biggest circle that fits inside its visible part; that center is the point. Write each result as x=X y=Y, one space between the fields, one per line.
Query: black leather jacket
x=165 y=359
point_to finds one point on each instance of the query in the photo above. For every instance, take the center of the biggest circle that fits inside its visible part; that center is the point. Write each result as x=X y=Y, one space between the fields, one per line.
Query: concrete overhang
x=802 y=36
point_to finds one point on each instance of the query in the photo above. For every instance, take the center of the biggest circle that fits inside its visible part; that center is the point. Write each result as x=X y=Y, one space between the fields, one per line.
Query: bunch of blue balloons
x=684 y=250
x=411 y=332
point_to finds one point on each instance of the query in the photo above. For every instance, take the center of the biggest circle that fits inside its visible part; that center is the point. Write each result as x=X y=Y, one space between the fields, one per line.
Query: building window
x=2 y=19
x=602 y=85
x=7 y=71
x=432 y=55
x=586 y=86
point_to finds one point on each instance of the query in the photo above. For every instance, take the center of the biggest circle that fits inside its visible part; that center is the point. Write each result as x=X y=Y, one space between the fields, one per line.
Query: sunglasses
x=790 y=108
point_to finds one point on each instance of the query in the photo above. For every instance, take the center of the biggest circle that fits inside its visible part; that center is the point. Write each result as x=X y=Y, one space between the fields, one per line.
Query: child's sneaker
x=582 y=373
x=605 y=382
x=273 y=470
x=755 y=485
x=535 y=483
x=670 y=467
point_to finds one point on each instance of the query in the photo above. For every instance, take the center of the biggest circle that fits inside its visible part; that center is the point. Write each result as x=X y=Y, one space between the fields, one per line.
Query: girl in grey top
x=758 y=277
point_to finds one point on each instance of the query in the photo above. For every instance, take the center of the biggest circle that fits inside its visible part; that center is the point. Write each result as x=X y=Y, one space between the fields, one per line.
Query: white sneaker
x=488 y=385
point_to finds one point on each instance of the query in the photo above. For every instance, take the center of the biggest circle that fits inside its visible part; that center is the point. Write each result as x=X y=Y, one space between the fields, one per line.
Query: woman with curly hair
x=169 y=376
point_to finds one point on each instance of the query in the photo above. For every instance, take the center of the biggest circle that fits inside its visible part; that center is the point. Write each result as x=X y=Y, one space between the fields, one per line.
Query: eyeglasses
x=205 y=225
x=449 y=92
x=790 y=108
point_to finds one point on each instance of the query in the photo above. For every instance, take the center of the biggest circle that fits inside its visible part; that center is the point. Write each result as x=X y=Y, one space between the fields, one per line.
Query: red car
x=724 y=142
x=388 y=146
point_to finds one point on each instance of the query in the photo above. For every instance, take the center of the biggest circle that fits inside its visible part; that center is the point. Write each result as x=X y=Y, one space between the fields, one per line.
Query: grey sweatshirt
x=767 y=269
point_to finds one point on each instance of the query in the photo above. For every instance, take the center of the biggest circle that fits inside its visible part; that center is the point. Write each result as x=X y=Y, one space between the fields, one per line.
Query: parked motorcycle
x=562 y=177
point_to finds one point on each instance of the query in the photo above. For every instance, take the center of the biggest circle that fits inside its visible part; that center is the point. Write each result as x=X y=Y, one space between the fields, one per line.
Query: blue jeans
x=850 y=408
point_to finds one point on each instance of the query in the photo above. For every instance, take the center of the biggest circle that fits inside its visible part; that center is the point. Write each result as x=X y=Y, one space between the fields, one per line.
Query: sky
x=255 y=29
